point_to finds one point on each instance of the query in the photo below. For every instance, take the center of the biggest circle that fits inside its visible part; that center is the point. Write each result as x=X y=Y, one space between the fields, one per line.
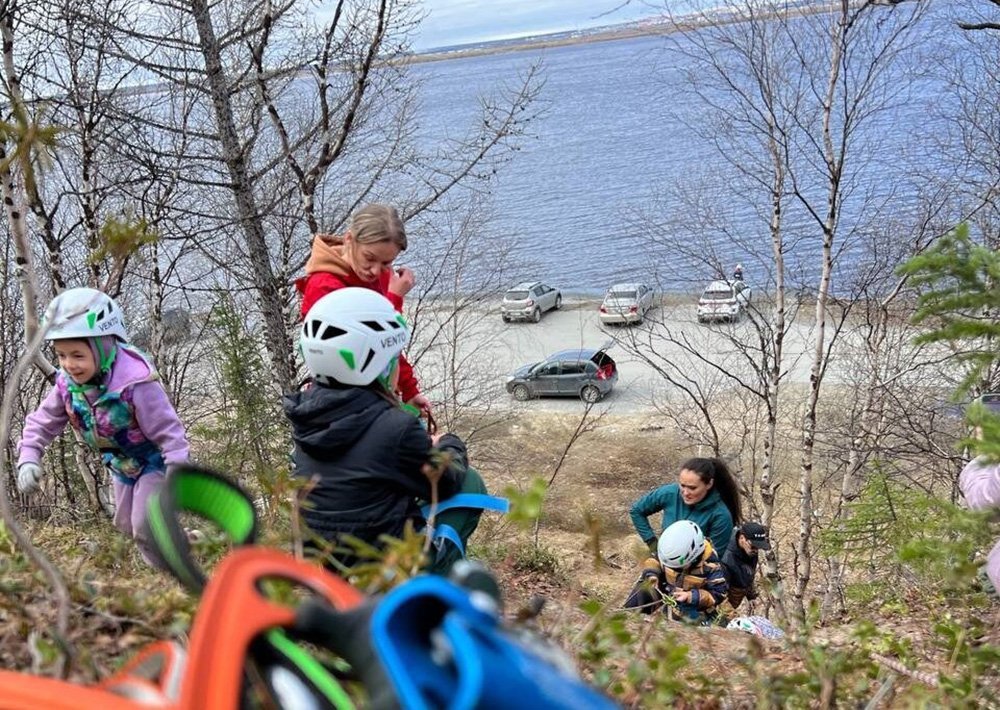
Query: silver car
x=528 y=301
x=626 y=303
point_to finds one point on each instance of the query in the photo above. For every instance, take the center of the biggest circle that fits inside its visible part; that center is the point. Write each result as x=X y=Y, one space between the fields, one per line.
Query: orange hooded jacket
x=326 y=271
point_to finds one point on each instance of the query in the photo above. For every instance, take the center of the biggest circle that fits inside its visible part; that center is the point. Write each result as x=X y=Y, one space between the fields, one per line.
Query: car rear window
x=991 y=401
x=717 y=295
x=516 y=295
x=573 y=367
x=622 y=295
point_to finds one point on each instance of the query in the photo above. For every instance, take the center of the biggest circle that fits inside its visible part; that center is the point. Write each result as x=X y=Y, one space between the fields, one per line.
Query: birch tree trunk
x=13 y=195
x=833 y=157
x=774 y=374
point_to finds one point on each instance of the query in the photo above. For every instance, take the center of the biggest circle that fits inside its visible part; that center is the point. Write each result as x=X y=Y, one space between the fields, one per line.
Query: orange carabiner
x=234 y=612
x=20 y=691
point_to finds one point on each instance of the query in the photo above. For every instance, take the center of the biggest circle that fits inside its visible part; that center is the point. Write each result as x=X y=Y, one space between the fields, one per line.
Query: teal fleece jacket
x=710 y=513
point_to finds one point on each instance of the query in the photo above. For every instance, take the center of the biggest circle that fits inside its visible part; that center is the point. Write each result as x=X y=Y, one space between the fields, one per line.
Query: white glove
x=28 y=477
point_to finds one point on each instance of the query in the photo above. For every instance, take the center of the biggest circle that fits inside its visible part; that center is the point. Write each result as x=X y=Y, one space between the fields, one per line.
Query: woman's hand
x=401 y=281
x=432 y=473
x=682 y=595
x=420 y=402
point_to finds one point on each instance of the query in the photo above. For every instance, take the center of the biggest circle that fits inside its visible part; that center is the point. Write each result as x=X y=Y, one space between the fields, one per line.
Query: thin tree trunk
x=14 y=204
x=53 y=574
x=778 y=325
x=834 y=163
x=767 y=484
x=268 y=294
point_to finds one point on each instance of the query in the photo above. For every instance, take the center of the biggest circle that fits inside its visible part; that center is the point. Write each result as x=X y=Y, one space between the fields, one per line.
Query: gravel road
x=508 y=346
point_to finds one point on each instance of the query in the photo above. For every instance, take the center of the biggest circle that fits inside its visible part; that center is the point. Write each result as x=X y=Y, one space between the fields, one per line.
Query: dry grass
x=119 y=604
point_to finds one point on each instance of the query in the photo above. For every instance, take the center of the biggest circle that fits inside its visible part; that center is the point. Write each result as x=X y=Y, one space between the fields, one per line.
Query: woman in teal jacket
x=705 y=493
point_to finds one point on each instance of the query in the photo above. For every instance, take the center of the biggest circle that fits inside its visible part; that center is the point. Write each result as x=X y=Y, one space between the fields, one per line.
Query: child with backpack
x=367 y=459
x=684 y=580
x=110 y=393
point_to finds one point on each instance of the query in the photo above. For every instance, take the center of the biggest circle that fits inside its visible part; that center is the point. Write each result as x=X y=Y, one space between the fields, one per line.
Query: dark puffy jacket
x=704 y=579
x=740 y=569
x=366 y=455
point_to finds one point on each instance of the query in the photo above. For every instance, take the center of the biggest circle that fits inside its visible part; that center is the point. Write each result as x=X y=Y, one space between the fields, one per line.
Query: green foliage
x=889 y=524
x=640 y=661
x=969 y=661
x=249 y=435
x=33 y=142
x=538 y=559
x=120 y=238
x=526 y=505
x=958 y=278
x=959 y=283
x=377 y=570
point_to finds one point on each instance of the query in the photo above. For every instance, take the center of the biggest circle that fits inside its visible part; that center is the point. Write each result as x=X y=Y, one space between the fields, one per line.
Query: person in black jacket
x=739 y=561
x=367 y=460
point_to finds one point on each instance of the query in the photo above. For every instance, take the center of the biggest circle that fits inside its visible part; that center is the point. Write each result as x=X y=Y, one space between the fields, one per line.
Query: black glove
x=651 y=544
x=649 y=575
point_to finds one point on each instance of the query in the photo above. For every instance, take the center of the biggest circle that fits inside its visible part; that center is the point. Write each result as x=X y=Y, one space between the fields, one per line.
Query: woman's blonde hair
x=378 y=223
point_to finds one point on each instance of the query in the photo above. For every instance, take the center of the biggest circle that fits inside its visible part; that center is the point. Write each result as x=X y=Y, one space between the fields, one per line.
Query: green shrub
x=250 y=435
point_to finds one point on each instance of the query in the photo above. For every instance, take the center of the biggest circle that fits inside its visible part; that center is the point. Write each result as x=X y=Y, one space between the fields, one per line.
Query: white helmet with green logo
x=352 y=336
x=83 y=313
x=680 y=544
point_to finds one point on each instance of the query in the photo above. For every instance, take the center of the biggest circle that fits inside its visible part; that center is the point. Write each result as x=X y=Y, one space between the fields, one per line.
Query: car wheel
x=521 y=393
x=590 y=394
x=536 y=315
x=506 y=319
x=558 y=302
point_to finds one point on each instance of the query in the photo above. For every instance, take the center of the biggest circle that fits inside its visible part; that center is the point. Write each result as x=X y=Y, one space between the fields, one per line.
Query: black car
x=583 y=373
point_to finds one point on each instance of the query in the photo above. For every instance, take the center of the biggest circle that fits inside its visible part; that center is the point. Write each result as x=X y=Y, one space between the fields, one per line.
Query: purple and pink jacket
x=980 y=484
x=130 y=420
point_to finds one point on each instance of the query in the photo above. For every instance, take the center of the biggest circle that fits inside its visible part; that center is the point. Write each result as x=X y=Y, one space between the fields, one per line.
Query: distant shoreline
x=541 y=43
x=629 y=31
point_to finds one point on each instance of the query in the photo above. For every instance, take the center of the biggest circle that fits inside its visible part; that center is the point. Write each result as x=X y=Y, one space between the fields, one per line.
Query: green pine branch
x=958 y=280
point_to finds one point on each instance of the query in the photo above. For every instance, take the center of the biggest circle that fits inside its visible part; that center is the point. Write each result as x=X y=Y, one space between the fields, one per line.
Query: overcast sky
x=451 y=22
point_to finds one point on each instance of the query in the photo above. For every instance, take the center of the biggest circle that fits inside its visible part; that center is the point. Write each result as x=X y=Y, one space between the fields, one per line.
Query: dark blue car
x=583 y=373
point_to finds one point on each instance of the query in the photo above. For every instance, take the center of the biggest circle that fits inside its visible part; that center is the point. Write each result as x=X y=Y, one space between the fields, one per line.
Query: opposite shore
x=643 y=28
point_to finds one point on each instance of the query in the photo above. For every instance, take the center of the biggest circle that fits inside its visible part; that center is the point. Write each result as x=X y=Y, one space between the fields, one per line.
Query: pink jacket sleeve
x=41 y=427
x=159 y=422
x=980 y=484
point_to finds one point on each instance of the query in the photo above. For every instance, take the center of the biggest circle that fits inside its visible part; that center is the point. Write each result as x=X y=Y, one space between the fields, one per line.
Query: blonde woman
x=363 y=256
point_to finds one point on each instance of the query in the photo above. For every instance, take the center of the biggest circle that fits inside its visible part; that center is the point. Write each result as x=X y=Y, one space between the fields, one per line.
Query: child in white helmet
x=111 y=394
x=685 y=578
x=366 y=457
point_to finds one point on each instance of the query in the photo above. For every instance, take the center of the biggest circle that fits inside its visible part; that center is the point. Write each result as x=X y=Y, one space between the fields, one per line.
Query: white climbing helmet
x=680 y=544
x=352 y=336
x=83 y=313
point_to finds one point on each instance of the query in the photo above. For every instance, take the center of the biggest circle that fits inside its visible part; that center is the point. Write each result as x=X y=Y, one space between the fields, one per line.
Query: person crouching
x=684 y=580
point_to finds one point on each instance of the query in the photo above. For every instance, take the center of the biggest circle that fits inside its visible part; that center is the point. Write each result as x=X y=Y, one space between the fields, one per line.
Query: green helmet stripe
x=348 y=358
x=91 y=319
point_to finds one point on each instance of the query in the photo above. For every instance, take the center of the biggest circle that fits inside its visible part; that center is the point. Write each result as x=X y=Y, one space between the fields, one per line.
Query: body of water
x=620 y=137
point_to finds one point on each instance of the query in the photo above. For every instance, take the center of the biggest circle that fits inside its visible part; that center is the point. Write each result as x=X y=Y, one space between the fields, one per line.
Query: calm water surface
x=616 y=139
